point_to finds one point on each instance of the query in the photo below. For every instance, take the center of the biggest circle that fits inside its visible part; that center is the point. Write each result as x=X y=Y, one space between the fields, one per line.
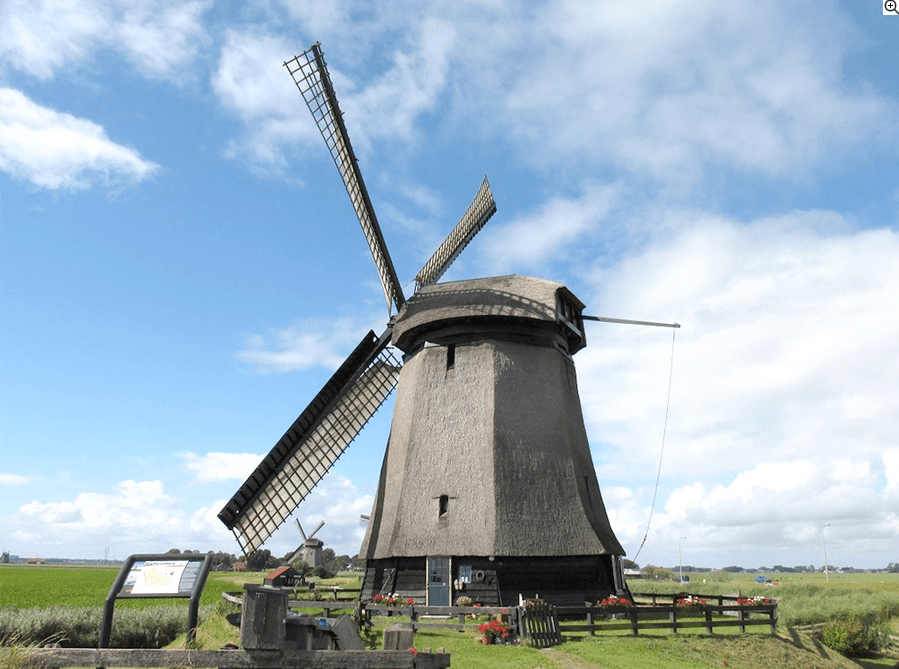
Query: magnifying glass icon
x=890 y=6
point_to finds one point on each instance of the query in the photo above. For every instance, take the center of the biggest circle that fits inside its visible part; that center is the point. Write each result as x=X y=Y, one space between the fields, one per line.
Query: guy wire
x=662 y=451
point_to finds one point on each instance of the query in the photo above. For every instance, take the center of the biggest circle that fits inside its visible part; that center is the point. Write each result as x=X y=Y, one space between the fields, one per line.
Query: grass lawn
x=603 y=651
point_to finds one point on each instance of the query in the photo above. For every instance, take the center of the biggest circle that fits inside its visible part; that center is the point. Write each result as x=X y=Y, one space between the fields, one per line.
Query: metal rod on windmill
x=625 y=321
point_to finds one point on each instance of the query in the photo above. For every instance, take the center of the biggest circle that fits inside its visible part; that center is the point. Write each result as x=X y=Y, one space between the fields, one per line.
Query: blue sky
x=181 y=270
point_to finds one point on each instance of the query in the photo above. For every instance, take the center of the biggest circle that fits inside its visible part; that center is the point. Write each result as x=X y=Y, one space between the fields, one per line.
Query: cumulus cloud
x=137 y=511
x=55 y=150
x=136 y=517
x=785 y=351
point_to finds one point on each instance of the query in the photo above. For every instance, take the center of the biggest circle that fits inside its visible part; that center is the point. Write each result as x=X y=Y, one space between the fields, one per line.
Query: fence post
x=708 y=620
x=673 y=618
x=742 y=616
x=590 y=622
x=635 y=626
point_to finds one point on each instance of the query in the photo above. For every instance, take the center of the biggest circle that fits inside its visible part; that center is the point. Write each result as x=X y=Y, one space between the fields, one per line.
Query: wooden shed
x=283 y=577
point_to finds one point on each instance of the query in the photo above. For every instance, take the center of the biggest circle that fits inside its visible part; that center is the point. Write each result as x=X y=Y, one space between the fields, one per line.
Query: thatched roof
x=503 y=298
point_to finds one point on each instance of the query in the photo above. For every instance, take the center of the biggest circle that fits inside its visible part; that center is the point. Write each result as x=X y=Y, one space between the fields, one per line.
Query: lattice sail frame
x=479 y=212
x=351 y=397
x=310 y=74
x=310 y=447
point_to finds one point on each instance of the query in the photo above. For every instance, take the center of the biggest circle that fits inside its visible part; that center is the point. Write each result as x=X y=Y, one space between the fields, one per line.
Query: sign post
x=147 y=576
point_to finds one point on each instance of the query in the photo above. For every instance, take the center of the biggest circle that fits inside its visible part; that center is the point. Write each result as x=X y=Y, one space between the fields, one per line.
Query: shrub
x=853 y=637
x=79 y=626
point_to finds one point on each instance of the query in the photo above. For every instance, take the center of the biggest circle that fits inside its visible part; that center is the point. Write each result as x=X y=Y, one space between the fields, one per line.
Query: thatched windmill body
x=487 y=486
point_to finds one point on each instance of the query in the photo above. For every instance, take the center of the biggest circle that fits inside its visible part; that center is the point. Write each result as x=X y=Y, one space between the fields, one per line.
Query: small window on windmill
x=465 y=573
x=442 y=505
x=450 y=356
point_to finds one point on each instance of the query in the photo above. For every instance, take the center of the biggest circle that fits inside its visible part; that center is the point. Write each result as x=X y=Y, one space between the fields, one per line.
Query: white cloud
x=891 y=469
x=782 y=400
x=136 y=509
x=40 y=37
x=667 y=92
x=251 y=82
x=58 y=151
x=14 y=479
x=221 y=466
x=305 y=344
x=559 y=225
x=137 y=517
x=671 y=89
x=391 y=105
x=158 y=37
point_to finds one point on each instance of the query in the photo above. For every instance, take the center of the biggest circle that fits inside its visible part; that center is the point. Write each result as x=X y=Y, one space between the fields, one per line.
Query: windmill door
x=438 y=581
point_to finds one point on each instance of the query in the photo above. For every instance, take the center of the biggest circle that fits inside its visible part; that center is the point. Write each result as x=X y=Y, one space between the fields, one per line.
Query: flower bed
x=612 y=602
x=494 y=632
x=392 y=600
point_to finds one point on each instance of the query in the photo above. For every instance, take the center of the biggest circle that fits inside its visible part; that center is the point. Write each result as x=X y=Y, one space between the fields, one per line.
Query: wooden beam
x=233 y=659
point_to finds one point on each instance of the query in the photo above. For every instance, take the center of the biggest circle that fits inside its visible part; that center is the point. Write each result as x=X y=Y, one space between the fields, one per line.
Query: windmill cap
x=515 y=301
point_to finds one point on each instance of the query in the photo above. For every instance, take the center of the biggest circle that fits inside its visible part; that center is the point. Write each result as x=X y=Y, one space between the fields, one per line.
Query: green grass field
x=29 y=586
x=802 y=596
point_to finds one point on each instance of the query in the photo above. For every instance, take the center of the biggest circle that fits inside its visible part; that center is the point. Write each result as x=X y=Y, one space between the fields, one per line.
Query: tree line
x=262 y=560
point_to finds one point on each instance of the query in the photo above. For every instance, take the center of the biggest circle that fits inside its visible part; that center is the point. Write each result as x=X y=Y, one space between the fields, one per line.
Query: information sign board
x=171 y=578
x=158 y=576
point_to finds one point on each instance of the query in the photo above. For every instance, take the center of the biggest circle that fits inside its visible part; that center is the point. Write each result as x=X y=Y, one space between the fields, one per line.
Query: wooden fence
x=644 y=617
x=647 y=614
x=670 y=617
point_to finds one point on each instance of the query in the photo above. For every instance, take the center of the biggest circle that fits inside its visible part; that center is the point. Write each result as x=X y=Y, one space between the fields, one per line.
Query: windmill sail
x=479 y=212
x=310 y=74
x=313 y=443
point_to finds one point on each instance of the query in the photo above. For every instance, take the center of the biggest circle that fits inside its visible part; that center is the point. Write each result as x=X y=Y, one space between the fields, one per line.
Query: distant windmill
x=310 y=551
x=487 y=483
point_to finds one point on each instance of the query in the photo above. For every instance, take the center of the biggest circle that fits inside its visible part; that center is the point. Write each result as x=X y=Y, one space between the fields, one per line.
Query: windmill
x=311 y=549
x=487 y=485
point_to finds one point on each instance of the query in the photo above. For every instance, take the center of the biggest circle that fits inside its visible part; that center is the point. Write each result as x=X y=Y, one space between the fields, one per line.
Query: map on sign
x=162 y=577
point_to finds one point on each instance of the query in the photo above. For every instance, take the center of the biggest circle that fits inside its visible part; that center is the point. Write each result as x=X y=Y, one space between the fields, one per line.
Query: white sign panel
x=162 y=577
